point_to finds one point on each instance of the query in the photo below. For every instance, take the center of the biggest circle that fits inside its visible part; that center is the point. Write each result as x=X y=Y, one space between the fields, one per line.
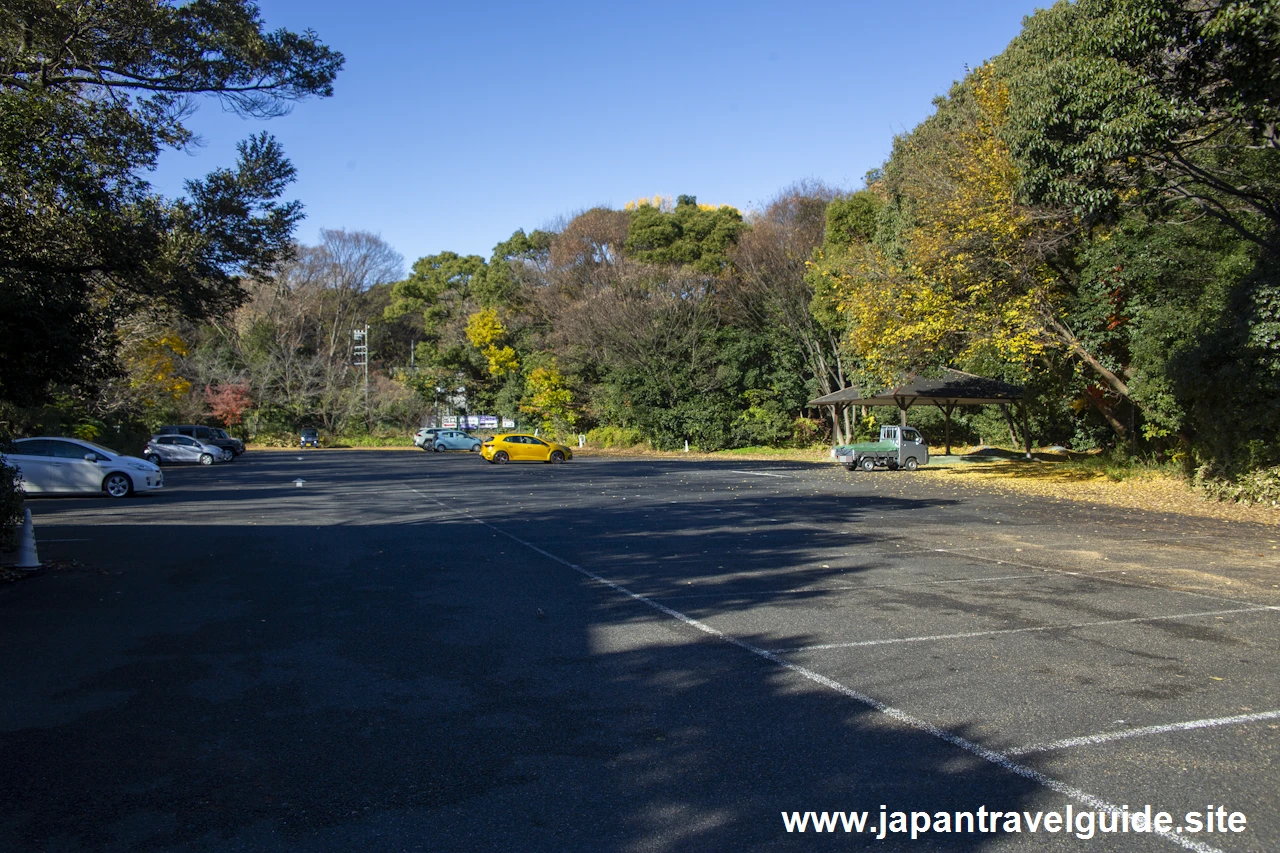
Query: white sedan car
x=66 y=465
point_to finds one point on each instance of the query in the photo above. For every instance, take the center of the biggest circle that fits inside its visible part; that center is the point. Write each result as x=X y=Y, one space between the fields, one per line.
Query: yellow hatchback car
x=523 y=448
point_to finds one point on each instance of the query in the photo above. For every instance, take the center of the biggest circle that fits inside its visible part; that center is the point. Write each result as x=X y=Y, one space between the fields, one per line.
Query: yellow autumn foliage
x=548 y=398
x=502 y=360
x=485 y=330
x=153 y=369
x=666 y=204
x=962 y=284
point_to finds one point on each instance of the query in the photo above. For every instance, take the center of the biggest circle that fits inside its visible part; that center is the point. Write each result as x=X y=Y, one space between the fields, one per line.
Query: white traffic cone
x=27 y=557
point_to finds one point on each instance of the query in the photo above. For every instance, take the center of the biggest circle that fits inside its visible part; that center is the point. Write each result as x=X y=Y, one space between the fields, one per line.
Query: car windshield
x=98 y=448
x=309 y=432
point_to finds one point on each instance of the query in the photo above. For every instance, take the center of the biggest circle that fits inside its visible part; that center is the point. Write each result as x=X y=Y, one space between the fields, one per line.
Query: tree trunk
x=1106 y=412
x=1008 y=418
x=1026 y=428
x=1074 y=346
x=947 y=410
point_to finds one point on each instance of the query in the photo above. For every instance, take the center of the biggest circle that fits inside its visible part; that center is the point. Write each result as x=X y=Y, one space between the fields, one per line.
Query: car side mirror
x=91 y=457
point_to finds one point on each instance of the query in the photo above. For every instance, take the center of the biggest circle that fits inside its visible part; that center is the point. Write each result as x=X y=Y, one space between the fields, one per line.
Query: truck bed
x=866 y=447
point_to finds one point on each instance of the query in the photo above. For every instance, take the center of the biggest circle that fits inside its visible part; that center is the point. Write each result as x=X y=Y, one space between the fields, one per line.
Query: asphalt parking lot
x=413 y=651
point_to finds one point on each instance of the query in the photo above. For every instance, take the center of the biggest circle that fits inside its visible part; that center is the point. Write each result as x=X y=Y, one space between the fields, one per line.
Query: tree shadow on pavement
x=438 y=686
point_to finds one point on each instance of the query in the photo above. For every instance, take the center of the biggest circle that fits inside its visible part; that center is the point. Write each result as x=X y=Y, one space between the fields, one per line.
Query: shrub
x=806 y=431
x=613 y=436
x=11 y=514
x=275 y=439
x=366 y=440
x=1258 y=486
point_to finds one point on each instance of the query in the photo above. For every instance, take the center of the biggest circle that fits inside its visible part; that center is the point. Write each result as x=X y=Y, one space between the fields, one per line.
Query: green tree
x=698 y=236
x=90 y=93
x=514 y=263
x=1166 y=104
x=437 y=285
x=1154 y=124
x=443 y=289
x=772 y=296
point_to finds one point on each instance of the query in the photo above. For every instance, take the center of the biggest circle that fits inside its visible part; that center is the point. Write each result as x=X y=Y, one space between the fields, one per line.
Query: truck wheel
x=868 y=464
x=849 y=466
x=891 y=465
x=911 y=464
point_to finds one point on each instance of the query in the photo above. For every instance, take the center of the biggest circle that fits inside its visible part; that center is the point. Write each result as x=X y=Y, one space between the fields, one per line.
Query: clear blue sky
x=454 y=123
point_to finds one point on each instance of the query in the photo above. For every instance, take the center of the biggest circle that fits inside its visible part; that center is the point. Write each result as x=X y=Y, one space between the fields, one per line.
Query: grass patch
x=1062 y=466
x=337 y=442
x=803 y=453
x=347 y=441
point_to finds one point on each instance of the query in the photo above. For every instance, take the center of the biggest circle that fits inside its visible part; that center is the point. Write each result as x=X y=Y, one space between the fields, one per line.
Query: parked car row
x=209 y=435
x=441 y=439
x=499 y=449
x=62 y=465
x=58 y=465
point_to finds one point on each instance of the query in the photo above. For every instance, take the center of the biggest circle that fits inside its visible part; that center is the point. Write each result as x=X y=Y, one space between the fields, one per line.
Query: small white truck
x=898 y=447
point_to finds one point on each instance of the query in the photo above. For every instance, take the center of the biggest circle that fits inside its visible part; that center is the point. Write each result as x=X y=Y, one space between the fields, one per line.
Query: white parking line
x=845 y=588
x=763 y=474
x=968 y=634
x=1107 y=737
x=1094 y=575
x=999 y=759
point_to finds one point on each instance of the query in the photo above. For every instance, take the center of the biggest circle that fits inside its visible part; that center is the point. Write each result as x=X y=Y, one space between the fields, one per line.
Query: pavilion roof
x=953 y=387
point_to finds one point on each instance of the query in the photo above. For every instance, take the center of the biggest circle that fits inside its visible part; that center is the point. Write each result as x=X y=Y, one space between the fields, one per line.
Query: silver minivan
x=169 y=449
x=209 y=435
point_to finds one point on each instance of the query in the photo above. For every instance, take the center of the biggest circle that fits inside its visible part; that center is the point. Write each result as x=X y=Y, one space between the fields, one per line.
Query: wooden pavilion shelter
x=951 y=389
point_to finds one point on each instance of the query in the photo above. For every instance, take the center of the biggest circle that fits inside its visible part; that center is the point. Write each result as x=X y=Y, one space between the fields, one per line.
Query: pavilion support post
x=947 y=411
x=1026 y=428
x=850 y=421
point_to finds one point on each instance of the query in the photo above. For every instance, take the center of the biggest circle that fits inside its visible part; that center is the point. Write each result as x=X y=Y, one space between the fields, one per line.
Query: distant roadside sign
x=475 y=422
